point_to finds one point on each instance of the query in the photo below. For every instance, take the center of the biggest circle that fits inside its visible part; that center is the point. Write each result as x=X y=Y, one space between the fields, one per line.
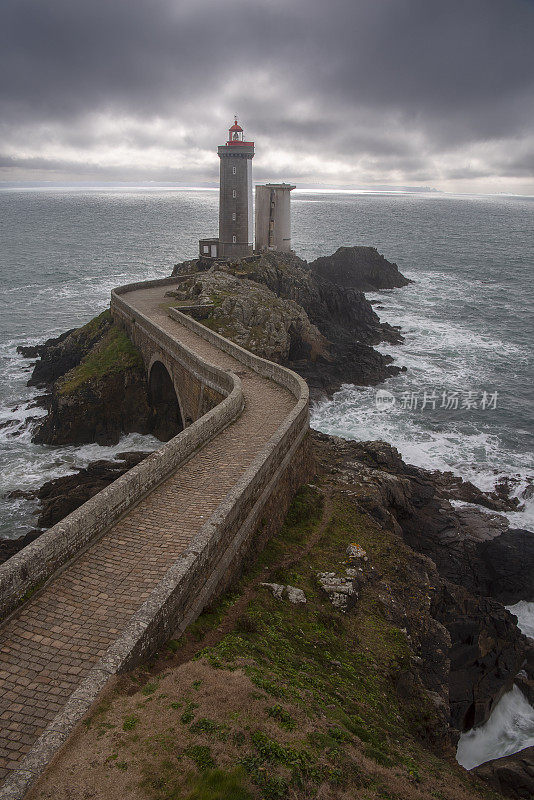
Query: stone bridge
x=137 y=563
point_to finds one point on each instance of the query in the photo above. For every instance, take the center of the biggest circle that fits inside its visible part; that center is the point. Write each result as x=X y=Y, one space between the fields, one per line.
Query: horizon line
x=6 y=185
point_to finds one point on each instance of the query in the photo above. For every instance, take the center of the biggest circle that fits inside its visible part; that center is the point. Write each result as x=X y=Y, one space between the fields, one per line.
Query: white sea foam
x=525 y=616
x=509 y=729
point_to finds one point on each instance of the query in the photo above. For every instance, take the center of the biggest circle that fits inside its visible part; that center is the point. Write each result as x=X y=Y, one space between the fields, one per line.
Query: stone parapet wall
x=252 y=510
x=29 y=569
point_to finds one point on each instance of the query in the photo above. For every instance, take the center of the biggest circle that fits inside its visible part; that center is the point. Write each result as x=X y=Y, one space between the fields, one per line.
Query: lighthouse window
x=234 y=170
x=234 y=217
x=234 y=239
x=234 y=193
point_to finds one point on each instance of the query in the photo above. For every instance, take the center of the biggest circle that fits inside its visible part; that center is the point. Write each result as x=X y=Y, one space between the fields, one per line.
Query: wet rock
x=362 y=268
x=487 y=651
x=101 y=410
x=526 y=685
x=274 y=305
x=470 y=547
x=513 y=775
x=61 y=496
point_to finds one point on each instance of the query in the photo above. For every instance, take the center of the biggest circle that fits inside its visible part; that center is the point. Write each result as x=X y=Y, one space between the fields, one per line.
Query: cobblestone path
x=52 y=642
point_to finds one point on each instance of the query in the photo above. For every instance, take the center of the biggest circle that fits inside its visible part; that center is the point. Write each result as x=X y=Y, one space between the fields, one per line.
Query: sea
x=464 y=403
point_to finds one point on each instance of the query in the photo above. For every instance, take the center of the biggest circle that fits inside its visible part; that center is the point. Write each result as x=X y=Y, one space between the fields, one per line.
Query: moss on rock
x=112 y=354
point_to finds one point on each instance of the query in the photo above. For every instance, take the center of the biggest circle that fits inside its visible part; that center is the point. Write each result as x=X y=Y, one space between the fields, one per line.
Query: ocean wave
x=456 y=446
x=509 y=729
x=525 y=616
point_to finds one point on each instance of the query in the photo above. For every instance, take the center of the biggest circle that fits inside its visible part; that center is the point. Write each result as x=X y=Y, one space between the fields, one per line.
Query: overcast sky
x=436 y=93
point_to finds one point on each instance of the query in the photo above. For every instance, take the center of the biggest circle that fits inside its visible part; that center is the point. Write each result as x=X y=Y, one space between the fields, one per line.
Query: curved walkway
x=51 y=643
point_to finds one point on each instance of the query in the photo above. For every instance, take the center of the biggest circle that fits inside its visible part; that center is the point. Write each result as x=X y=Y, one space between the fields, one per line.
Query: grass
x=218 y=784
x=317 y=711
x=114 y=353
x=130 y=723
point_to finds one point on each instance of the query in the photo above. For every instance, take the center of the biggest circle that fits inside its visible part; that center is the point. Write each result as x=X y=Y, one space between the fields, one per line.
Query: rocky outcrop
x=96 y=383
x=253 y=316
x=274 y=305
x=101 y=411
x=486 y=649
x=470 y=547
x=362 y=268
x=513 y=775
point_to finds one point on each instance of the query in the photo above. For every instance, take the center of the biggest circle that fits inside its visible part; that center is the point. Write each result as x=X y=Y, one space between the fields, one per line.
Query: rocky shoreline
x=465 y=559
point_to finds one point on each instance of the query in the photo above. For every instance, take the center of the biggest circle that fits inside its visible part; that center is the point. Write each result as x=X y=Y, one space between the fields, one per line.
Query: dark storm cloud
x=398 y=82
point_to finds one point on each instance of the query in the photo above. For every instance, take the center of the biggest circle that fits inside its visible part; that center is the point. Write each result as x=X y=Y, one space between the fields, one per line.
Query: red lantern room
x=235 y=133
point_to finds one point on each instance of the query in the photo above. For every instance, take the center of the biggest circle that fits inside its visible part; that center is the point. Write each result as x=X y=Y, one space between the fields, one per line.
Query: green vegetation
x=295 y=701
x=130 y=723
x=201 y=755
x=283 y=717
x=217 y=784
x=112 y=353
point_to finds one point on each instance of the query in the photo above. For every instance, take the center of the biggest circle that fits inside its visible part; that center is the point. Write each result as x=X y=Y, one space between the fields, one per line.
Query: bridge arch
x=164 y=402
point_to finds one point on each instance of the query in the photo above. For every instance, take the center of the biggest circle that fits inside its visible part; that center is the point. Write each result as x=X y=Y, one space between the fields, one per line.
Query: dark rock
x=57 y=356
x=470 y=547
x=362 y=268
x=487 y=651
x=100 y=411
x=98 y=388
x=61 y=496
x=8 y=547
x=40 y=350
x=275 y=306
x=513 y=775
x=526 y=685
x=20 y=494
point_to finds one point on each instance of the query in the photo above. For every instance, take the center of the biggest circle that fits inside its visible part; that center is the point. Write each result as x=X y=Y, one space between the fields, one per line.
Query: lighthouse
x=273 y=220
x=235 y=195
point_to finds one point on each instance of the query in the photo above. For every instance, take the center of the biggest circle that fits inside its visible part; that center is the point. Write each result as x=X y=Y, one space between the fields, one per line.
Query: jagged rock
x=469 y=546
x=526 y=685
x=100 y=411
x=486 y=649
x=276 y=588
x=513 y=775
x=362 y=268
x=254 y=317
x=524 y=680
x=98 y=388
x=342 y=590
x=293 y=594
x=274 y=305
x=56 y=357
